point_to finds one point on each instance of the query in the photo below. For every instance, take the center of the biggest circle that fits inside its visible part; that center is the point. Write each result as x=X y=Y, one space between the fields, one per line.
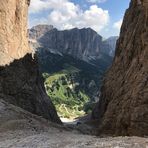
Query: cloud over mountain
x=64 y=14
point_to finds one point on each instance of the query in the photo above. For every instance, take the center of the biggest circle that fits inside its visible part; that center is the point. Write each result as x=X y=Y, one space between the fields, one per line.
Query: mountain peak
x=37 y=31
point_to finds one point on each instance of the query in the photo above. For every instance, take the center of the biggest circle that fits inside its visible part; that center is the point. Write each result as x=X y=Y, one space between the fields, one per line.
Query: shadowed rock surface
x=20 y=80
x=123 y=108
x=21 y=84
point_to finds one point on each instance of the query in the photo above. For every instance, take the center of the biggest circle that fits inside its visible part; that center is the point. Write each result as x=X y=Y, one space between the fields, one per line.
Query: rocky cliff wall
x=20 y=80
x=13 y=30
x=84 y=44
x=123 y=107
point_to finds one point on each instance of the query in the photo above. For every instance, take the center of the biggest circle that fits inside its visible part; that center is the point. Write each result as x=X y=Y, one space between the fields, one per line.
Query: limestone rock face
x=123 y=107
x=13 y=30
x=20 y=80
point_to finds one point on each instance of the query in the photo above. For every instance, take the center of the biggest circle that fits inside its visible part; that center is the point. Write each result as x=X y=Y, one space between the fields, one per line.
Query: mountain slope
x=19 y=129
x=123 y=107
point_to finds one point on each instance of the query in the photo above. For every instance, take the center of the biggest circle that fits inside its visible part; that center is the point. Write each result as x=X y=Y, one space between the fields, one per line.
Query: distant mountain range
x=84 y=44
x=73 y=63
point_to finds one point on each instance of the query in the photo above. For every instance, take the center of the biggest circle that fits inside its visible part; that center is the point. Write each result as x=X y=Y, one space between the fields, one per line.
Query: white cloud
x=96 y=1
x=64 y=14
x=38 y=5
x=117 y=25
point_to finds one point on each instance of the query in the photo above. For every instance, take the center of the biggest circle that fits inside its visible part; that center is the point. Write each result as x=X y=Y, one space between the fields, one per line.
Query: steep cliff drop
x=20 y=80
x=123 y=107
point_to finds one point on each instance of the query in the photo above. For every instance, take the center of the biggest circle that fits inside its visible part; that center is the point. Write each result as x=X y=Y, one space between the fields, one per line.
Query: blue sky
x=104 y=16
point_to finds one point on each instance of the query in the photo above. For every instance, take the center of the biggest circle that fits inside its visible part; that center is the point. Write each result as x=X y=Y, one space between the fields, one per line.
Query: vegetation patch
x=63 y=90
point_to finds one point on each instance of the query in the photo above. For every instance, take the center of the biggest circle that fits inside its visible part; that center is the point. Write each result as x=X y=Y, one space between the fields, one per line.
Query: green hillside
x=62 y=90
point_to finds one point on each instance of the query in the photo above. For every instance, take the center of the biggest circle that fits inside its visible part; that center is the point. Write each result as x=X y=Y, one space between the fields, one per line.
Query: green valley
x=64 y=92
x=73 y=85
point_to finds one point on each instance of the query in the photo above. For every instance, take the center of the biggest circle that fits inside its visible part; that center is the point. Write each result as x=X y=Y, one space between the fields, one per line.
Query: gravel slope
x=20 y=129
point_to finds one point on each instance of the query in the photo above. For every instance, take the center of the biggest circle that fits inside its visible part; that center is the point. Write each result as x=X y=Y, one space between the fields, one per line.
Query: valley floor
x=19 y=129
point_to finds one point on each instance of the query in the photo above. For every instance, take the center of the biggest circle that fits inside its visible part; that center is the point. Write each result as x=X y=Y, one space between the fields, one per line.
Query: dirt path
x=20 y=129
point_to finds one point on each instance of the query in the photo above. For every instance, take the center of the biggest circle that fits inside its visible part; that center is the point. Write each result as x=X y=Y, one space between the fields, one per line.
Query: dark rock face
x=123 y=108
x=20 y=81
x=28 y=2
x=21 y=84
